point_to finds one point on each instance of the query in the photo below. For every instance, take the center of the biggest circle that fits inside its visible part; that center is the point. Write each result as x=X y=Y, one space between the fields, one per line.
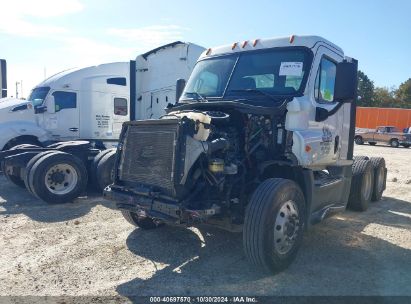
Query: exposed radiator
x=148 y=155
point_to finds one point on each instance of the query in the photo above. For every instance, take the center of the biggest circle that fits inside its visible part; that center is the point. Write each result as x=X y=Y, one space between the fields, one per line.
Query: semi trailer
x=82 y=112
x=260 y=142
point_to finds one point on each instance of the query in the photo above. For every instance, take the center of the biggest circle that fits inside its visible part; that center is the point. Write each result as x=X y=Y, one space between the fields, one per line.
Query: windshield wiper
x=272 y=97
x=199 y=96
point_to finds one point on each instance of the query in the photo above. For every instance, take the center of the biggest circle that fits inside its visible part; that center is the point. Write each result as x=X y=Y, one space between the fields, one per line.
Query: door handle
x=73 y=129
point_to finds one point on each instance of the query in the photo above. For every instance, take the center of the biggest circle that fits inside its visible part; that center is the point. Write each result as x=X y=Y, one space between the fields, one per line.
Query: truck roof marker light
x=255 y=42
x=208 y=51
x=244 y=44
x=292 y=38
x=234 y=45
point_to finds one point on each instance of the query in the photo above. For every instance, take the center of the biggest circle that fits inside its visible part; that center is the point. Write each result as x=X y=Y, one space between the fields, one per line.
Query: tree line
x=371 y=96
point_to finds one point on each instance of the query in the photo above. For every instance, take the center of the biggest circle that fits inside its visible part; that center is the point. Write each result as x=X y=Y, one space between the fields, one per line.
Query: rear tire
x=58 y=178
x=30 y=165
x=360 y=157
x=274 y=224
x=380 y=177
x=105 y=170
x=17 y=180
x=362 y=183
x=146 y=223
x=394 y=143
x=358 y=140
x=101 y=169
x=12 y=178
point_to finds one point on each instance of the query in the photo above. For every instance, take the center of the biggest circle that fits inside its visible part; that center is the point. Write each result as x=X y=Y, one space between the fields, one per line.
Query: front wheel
x=358 y=140
x=394 y=143
x=274 y=224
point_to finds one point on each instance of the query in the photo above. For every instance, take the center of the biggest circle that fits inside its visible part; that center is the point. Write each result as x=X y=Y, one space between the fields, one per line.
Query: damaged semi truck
x=80 y=112
x=261 y=141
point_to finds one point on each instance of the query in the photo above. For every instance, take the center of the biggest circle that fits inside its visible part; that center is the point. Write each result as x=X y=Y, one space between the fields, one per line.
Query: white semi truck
x=82 y=112
x=261 y=141
x=76 y=93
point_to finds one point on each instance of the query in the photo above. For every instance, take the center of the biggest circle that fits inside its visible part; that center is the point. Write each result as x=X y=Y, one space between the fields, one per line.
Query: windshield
x=38 y=95
x=275 y=72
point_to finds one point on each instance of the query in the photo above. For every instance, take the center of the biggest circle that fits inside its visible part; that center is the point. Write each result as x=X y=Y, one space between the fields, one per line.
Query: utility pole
x=17 y=89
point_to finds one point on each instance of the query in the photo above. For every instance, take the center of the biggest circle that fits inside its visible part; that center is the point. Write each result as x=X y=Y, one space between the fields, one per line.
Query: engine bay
x=217 y=159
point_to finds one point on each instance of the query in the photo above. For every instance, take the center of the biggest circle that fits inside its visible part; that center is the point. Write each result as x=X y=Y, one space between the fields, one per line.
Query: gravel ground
x=87 y=248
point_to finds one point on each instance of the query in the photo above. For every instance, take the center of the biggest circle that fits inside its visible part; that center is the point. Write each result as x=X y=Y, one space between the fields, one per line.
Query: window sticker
x=291 y=69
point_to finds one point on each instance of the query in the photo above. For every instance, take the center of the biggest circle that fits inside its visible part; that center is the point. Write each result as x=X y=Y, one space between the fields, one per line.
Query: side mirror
x=346 y=81
x=345 y=89
x=180 y=85
x=40 y=109
x=51 y=105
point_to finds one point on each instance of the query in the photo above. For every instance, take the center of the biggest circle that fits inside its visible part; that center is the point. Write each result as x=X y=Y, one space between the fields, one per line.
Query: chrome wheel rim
x=367 y=185
x=286 y=227
x=61 y=179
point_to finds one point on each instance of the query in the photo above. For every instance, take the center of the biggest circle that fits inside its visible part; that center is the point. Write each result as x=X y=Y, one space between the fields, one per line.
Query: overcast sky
x=47 y=36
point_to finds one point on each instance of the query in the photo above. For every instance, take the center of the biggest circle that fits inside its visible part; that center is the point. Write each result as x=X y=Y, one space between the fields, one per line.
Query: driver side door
x=331 y=129
x=63 y=122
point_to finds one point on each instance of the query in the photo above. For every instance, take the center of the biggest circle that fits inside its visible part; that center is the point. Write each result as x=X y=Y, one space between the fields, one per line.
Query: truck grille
x=148 y=154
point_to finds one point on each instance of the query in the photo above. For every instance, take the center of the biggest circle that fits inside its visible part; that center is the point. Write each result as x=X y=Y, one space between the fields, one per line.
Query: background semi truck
x=86 y=109
x=261 y=141
x=89 y=89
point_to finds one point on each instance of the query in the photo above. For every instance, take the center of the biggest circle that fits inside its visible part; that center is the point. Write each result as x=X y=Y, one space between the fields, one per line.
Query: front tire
x=274 y=224
x=394 y=143
x=145 y=223
x=358 y=140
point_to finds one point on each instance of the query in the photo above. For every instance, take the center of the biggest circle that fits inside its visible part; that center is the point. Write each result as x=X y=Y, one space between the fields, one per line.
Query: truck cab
x=86 y=103
x=260 y=142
